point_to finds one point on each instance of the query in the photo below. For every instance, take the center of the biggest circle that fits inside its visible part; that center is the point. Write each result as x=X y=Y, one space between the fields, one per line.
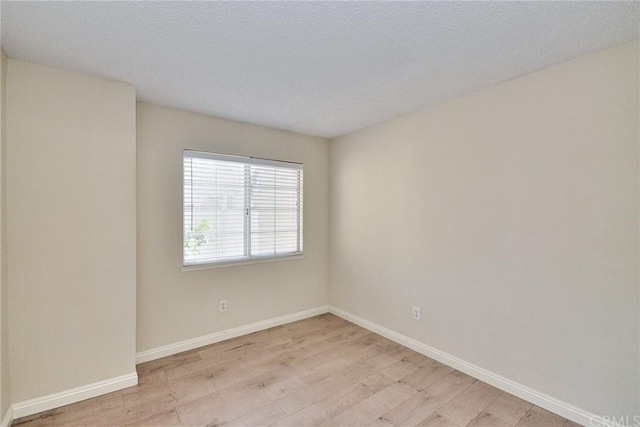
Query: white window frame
x=247 y=259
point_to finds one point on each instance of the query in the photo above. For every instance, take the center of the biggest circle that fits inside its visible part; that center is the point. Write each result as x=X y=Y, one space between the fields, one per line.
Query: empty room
x=320 y=213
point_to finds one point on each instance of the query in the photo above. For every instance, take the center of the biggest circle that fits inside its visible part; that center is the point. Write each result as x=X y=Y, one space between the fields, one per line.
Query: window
x=239 y=209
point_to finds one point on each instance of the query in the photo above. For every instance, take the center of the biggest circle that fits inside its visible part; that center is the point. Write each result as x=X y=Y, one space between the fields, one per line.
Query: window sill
x=234 y=263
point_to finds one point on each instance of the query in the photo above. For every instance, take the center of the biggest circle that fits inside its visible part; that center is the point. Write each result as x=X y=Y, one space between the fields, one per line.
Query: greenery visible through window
x=240 y=208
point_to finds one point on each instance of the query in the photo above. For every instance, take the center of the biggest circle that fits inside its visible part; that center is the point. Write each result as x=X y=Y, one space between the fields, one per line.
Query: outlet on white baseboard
x=223 y=305
x=416 y=313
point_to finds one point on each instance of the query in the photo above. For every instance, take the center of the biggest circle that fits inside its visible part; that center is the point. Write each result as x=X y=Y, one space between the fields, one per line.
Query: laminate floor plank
x=540 y=417
x=427 y=402
x=486 y=419
x=509 y=408
x=321 y=371
x=330 y=406
x=468 y=404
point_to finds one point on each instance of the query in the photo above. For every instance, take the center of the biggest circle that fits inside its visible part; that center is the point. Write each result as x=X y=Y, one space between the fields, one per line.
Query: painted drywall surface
x=510 y=216
x=173 y=305
x=71 y=206
x=5 y=394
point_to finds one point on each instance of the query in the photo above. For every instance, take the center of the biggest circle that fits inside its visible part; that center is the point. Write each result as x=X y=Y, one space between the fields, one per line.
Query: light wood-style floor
x=322 y=371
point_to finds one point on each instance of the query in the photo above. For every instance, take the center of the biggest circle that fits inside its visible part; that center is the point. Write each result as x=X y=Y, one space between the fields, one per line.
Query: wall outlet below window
x=416 y=313
x=223 y=305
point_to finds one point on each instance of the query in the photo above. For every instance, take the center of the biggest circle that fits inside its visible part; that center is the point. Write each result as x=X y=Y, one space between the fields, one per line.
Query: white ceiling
x=318 y=68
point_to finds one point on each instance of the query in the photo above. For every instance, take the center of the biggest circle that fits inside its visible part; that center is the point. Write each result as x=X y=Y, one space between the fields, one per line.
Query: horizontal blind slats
x=235 y=209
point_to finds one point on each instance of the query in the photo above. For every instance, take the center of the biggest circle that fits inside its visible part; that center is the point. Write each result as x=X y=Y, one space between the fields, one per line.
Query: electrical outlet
x=416 y=313
x=223 y=305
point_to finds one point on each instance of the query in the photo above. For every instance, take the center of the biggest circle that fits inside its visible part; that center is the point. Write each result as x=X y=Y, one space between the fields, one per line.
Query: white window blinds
x=240 y=208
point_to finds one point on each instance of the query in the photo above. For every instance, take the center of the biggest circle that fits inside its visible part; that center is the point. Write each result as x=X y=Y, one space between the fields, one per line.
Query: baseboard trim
x=542 y=400
x=179 y=347
x=55 y=400
x=8 y=418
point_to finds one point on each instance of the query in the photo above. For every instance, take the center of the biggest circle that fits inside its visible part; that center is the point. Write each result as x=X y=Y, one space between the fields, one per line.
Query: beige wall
x=510 y=216
x=71 y=216
x=5 y=395
x=174 y=306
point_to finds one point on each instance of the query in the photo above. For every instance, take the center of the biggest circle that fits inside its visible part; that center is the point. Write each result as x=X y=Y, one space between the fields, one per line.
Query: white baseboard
x=179 y=347
x=55 y=400
x=542 y=400
x=8 y=418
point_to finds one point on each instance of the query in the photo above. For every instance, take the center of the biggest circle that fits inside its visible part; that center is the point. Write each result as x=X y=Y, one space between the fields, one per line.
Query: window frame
x=246 y=259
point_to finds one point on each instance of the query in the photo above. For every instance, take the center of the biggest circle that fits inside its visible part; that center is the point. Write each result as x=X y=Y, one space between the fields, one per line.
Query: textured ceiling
x=318 y=68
